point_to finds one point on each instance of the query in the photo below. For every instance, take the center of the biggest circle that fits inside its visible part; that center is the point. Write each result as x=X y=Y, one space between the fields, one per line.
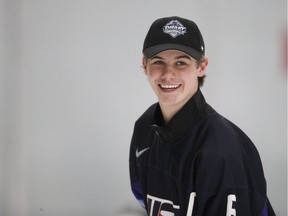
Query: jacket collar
x=188 y=115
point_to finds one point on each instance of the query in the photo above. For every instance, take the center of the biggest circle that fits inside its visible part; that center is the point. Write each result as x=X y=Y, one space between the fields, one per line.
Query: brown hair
x=201 y=79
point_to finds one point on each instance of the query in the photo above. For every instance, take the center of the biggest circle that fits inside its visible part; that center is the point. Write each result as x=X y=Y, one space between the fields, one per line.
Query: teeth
x=169 y=86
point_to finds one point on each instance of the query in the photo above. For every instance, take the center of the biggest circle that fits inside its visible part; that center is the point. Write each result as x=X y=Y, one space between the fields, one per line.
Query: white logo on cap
x=174 y=28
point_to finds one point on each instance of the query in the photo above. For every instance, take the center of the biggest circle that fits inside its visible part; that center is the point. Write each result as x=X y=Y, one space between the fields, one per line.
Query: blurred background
x=71 y=88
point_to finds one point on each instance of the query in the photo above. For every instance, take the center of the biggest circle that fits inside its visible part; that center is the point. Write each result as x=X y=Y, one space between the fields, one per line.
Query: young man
x=185 y=158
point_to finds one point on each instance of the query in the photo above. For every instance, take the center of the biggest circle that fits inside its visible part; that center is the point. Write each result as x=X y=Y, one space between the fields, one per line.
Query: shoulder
x=142 y=125
x=219 y=133
x=229 y=158
x=225 y=146
x=147 y=117
x=215 y=125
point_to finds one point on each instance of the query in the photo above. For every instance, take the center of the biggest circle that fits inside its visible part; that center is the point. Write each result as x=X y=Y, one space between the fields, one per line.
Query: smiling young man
x=173 y=75
x=185 y=158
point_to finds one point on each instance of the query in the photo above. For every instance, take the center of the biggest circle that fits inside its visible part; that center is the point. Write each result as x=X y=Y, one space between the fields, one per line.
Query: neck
x=168 y=112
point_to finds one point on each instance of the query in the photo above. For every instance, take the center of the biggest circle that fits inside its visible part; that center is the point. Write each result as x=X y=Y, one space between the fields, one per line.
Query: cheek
x=152 y=74
x=190 y=79
x=189 y=76
x=152 y=78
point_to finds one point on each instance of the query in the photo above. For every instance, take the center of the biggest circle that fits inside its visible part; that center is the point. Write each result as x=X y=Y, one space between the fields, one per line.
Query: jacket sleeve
x=229 y=178
x=223 y=190
x=133 y=169
x=139 y=138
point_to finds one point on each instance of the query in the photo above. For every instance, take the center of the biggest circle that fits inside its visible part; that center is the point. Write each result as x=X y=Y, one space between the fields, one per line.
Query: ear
x=144 y=64
x=202 y=68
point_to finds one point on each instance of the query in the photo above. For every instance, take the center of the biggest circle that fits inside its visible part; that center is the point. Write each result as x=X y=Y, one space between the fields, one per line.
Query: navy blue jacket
x=200 y=164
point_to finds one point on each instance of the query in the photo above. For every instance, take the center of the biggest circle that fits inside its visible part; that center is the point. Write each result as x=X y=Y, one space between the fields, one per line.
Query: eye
x=181 y=63
x=158 y=62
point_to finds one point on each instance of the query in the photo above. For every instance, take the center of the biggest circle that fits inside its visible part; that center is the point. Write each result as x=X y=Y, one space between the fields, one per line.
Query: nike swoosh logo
x=139 y=153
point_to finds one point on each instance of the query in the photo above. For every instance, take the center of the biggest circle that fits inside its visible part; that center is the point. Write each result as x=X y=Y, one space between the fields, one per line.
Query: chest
x=165 y=172
x=165 y=167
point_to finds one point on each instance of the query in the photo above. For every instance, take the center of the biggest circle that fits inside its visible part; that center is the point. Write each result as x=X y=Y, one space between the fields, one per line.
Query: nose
x=168 y=73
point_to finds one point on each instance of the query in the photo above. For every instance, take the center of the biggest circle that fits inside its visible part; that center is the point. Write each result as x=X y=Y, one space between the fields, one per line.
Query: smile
x=169 y=86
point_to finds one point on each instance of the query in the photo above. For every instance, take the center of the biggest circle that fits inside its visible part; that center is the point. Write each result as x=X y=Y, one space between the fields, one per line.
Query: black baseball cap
x=174 y=33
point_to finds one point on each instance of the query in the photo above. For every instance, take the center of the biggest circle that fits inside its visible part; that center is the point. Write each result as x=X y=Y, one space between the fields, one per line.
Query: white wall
x=11 y=143
x=72 y=87
x=2 y=125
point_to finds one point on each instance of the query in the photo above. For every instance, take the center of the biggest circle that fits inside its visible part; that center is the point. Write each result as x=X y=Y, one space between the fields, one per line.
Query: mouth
x=169 y=87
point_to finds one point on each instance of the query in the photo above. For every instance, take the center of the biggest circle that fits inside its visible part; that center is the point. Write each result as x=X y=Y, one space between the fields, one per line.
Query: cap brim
x=153 y=50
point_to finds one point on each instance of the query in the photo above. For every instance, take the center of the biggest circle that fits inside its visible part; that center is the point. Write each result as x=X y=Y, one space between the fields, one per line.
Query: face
x=173 y=76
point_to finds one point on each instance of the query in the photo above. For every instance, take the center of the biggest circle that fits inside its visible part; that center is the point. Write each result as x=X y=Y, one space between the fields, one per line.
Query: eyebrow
x=155 y=57
x=183 y=56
